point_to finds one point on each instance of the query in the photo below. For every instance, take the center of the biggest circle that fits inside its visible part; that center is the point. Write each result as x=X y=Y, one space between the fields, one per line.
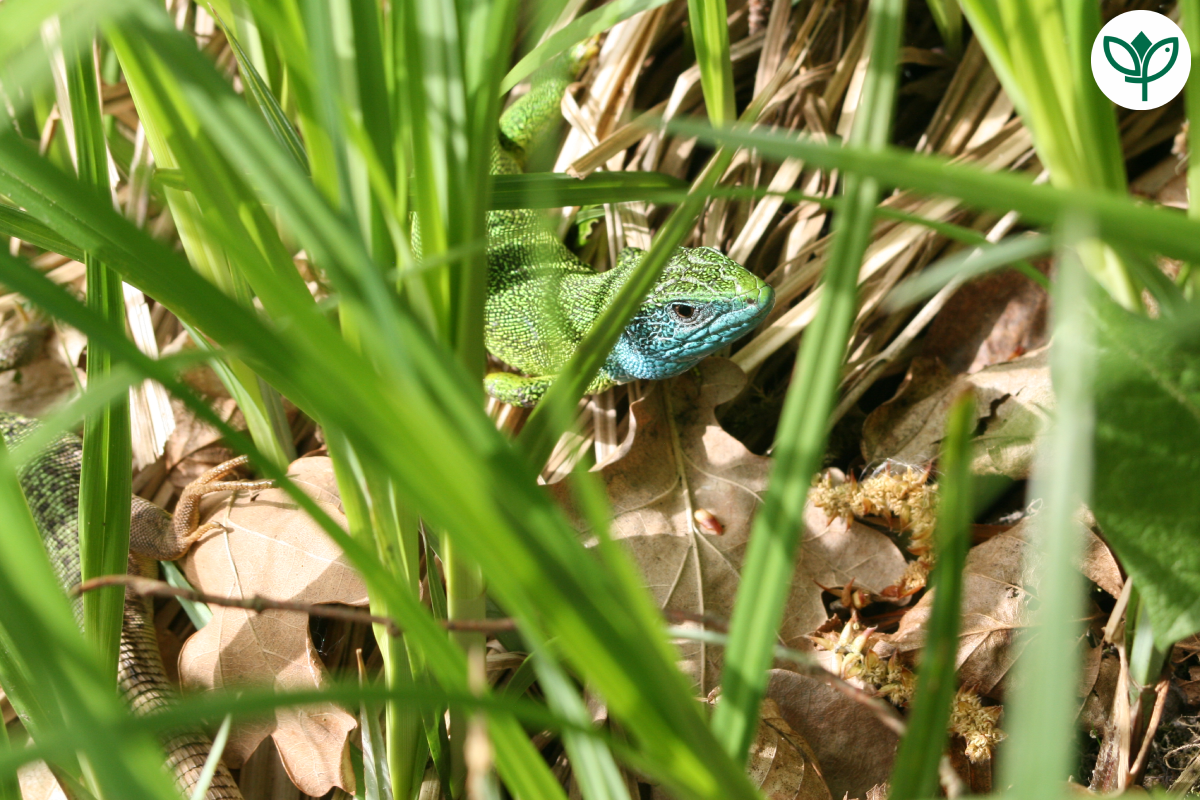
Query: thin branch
x=147 y=587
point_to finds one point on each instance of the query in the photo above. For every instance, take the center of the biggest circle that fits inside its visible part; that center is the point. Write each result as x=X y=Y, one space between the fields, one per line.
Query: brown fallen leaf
x=38 y=783
x=1012 y=401
x=855 y=750
x=781 y=765
x=51 y=379
x=994 y=609
x=677 y=460
x=989 y=320
x=271 y=549
x=195 y=446
x=997 y=590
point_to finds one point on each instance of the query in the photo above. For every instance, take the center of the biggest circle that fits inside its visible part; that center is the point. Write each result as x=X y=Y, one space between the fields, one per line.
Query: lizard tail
x=146 y=688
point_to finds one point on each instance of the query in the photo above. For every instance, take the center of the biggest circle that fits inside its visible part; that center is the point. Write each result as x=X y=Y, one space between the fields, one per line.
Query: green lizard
x=50 y=481
x=542 y=299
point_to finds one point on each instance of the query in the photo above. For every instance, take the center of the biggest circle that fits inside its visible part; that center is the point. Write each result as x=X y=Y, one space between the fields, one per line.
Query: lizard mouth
x=755 y=306
x=744 y=312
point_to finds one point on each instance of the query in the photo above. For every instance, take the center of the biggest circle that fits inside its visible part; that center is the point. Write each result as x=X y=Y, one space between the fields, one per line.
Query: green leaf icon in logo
x=1140 y=52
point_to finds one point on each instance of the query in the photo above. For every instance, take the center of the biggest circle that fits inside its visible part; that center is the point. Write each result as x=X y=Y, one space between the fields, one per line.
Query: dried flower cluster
x=854 y=659
x=905 y=500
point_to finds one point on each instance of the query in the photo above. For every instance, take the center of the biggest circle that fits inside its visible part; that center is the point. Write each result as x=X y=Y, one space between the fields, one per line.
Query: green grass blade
x=1117 y=218
x=970 y=264
x=947 y=15
x=916 y=772
x=710 y=37
x=555 y=190
x=590 y=24
x=106 y=478
x=213 y=760
x=1041 y=714
x=258 y=90
x=803 y=427
x=14 y=222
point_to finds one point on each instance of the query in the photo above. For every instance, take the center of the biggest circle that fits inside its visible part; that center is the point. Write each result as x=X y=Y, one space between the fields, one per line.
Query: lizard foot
x=186 y=521
x=516 y=390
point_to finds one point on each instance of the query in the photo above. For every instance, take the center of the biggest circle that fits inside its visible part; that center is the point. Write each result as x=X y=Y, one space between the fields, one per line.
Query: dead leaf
x=38 y=783
x=270 y=548
x=655 y=497
x=1100 y=567
x=781 y=765
x=994 y=609
x=997 y=590
x=1012 y=401
x=195 y=446
x=855 y=750
x=51 y=379
x=989 y=320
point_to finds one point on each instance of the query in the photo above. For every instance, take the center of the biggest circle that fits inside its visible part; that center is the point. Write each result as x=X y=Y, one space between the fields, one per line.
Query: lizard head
x=702 y=302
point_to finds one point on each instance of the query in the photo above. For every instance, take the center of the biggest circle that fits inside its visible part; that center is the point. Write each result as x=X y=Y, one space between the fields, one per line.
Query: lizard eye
x=683 y=311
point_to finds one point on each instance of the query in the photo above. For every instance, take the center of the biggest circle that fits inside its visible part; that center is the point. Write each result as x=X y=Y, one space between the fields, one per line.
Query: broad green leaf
x=1147 y=438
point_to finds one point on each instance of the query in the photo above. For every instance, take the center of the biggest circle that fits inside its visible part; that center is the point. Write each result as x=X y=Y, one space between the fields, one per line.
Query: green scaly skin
x=50 y=482
x=542 y=300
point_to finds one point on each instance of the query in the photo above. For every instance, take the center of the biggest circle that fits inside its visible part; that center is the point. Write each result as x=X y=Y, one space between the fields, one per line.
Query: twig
x=148 y=587
x=1162 y=690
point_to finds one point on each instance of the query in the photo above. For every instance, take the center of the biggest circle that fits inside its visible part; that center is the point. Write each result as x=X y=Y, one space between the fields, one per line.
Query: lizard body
x=50 y=482
x=542 y=299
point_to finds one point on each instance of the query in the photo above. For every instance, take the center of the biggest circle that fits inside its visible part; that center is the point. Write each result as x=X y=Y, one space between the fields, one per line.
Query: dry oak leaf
x=994 y=610
x=1012 y=401
x=781 y=764
x=51 y=379
x=854 y=748
x=998 y=586
x=269 y=548
x=676 y=460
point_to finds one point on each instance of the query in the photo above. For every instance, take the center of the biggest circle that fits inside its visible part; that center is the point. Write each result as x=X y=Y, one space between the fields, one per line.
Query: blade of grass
x=710 y=37
x=916 y=772
x=970 y=264
x=555 y=189
x=948 y=17
x=14 y=222
x=107 y=473
x=1117 y=217
x=1041 y=714
x=590 y=24
x=264 y=99
x=1041 y=50
x=803 y=427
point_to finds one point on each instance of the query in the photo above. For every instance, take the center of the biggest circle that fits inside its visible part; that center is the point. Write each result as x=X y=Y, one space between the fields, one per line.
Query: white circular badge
x=1141 y=60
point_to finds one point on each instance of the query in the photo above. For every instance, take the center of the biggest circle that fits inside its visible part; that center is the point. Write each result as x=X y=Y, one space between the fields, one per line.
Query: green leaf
x=1147 y=438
